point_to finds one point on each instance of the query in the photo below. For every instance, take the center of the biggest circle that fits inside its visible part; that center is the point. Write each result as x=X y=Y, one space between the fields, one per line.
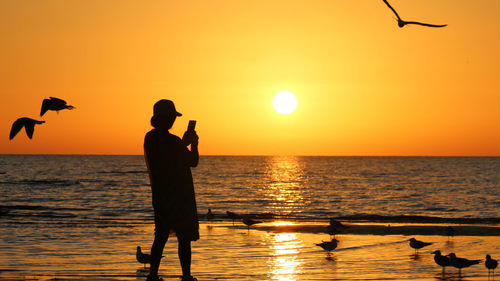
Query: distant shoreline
x=229 y=155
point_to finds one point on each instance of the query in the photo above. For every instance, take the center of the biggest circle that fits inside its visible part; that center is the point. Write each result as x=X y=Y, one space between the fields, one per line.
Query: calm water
x=81 y=217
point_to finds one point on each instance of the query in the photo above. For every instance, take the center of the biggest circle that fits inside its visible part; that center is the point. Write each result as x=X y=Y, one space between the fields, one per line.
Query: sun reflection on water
x=284 y=263
x=285 y=182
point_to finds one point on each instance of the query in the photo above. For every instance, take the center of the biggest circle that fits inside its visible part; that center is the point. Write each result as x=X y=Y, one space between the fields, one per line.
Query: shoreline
x=387 y=229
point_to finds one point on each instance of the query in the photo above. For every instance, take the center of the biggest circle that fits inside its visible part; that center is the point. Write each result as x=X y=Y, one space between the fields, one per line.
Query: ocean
x=80 y=217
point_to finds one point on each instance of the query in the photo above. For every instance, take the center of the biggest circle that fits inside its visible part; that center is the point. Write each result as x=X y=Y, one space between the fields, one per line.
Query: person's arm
x=194 y=152
x=146 y=150
x=190 y=137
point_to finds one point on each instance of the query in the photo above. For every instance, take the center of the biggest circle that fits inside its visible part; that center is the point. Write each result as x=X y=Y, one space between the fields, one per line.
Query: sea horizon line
x=258 y=155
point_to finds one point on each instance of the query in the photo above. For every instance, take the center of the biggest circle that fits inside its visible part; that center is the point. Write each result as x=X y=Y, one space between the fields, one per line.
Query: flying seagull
x=27 y=123
x=54 y=104
x=402 y=23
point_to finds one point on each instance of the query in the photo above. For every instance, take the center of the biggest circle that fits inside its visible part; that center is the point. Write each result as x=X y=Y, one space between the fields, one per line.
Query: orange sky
x=364 y=86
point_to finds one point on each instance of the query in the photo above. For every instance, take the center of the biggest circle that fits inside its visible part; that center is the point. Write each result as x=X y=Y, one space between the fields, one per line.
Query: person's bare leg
x=184 y=252
x=156 y=253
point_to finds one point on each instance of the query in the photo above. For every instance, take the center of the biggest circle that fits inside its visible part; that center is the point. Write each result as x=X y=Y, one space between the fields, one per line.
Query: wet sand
x=389 y=229
x=268 y=251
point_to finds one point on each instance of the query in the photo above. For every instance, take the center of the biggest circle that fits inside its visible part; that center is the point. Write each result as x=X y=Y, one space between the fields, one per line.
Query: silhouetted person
x=27 y=123
x=169 y=161
x=54 y=104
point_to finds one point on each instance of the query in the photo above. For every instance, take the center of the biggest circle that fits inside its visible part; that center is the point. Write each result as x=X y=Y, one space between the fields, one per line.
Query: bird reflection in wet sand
x=402 y=23
x=27 y=123
x=461 y=263
x=54 y=104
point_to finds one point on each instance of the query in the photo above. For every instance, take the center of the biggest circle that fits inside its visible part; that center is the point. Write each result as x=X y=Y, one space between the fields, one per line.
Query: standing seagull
x=490 y=264
x=416 y=244
x=27 y=123
x=54 y=104
x=210 y=215
x=233 y=216
x=142 y=257
x=328 y=246
x=441 y=260
x=249 y=222
x=450 y=232
x=335 y=227
x=402 y=23
x=461 y=263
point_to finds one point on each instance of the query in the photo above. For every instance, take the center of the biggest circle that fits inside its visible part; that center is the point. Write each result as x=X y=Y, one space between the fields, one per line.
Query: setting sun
x=284 y=102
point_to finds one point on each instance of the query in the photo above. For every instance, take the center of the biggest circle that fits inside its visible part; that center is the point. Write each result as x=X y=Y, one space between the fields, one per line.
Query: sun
x=284 y=102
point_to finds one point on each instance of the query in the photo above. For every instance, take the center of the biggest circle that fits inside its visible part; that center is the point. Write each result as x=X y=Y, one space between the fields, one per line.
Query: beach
x=268 y=251
x=82 y=217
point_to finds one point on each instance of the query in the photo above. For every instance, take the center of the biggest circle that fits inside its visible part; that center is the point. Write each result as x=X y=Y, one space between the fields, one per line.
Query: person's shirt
x=168 y=161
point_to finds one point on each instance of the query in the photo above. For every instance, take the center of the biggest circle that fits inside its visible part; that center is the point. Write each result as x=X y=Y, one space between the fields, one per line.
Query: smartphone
x=191 y=125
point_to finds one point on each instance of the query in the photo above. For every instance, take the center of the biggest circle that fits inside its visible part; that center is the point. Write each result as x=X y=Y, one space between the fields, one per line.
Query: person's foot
x=188 y=278
x=154 y=278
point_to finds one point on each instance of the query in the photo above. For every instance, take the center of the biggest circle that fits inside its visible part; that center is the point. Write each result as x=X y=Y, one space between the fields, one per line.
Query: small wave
x=316 y=216
x=371 y=246
x=123 y=172
x=418 y=219
x=44 y=182
x=39 y=208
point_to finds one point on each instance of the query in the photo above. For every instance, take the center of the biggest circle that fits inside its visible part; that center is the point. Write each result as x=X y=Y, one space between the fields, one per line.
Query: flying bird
x=27 y=123
x=142 y=257
x=461 y=263
x=441 y=260
x=54 y=104
x=416 y=244
x=249 y=222
x=402 y=23
x=490 y=264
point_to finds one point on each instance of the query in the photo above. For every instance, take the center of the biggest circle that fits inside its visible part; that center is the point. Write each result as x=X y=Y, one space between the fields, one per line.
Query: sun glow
x=284 y=102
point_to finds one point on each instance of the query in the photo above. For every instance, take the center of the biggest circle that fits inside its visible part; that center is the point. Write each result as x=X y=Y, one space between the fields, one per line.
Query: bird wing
x=425 y=24
x=30 y=128
x=390 y=7
x=57 y=100
x=45 y=106
x=16 y=127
